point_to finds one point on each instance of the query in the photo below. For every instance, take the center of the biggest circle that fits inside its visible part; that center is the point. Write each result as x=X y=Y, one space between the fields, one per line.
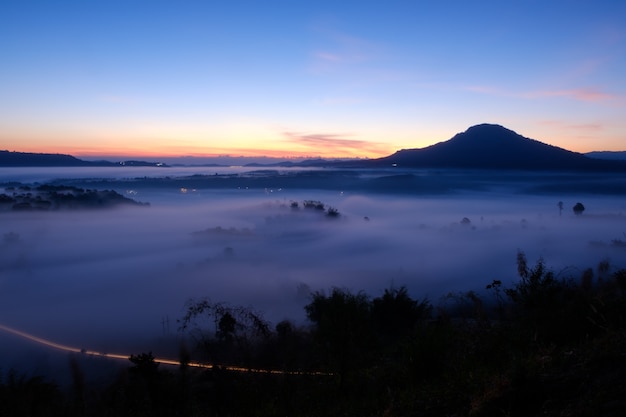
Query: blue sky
x=296 y=78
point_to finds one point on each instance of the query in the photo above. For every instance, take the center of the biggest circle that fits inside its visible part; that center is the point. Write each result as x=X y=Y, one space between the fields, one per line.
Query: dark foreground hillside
x=546 y=346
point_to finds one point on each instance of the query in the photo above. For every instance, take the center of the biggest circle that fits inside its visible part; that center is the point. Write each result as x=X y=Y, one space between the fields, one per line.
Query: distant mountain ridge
x=28 y=159
x=483 y=146
x=19 y=159
x=491 y=146
x=612 y=155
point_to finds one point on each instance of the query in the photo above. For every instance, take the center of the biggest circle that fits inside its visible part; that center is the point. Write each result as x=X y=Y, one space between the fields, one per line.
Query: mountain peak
x=492 y=146
x=485 y=127
x=486 y=133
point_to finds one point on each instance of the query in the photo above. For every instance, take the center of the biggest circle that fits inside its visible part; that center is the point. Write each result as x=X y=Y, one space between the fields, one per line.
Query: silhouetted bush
x=342 y=327
x=30 y=396
x=548 y=346
x=395 y=314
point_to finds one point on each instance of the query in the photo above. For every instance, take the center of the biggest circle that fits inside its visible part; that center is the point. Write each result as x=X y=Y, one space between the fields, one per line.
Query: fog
x=44 y=174
x=117 y=280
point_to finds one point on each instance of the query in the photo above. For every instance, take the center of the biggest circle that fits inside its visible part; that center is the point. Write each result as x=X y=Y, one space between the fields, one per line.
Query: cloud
x=583 y=131
x=363 y=62
x=118 y=99
x=587 y=127
x=331 y=57
x=340 y=101
x=590 y=94
x=482 y=89
x=587 y=94
x=341 y=51
x=335 y=144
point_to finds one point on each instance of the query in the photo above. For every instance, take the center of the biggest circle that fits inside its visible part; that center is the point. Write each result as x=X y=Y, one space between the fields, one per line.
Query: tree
x=226 y=327
x=549 y=309
x=578 y=209
x=332 y=212
x=395 y=313
x=342 y=327
x=144 y=365
x=236 y=330
x=536 y=285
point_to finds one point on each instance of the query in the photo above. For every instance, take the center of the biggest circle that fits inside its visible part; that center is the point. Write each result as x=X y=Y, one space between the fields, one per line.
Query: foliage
x=332 y=212
x=144 y=365
x=396 y=315
x=342 y=327
x=59 y=197
x=29 y=396
x=578 y=208
x=537 y=285
x=317 y=206
x=551 y=346
x=313 y=205
x=235 y=330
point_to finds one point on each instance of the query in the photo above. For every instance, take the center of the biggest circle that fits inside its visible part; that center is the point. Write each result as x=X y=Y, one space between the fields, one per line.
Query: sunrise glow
x=323 y=79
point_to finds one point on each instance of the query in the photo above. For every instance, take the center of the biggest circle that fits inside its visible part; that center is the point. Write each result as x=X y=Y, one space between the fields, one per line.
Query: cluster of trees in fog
x=57 y=197
x=577 y=209
x=544 y=345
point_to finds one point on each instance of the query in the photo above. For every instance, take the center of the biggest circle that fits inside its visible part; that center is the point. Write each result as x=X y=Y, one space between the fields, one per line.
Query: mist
x=118 y=280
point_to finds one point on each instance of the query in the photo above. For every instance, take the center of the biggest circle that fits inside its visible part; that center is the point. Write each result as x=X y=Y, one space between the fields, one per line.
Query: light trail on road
x=164 y=361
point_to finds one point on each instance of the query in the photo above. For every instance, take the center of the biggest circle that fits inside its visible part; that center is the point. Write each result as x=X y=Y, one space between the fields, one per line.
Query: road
x=165 y=361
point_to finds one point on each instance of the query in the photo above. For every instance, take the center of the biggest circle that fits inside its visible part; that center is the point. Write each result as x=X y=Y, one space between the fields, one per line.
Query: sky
x=306 y=79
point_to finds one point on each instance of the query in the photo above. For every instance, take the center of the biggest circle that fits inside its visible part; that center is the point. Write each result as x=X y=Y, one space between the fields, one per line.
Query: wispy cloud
x=591 y=94
x=330 y=57
x=588 y=135
x=587 y=94
x=330 y=144
x=482 y=89
x=587 y=127
x=341 y=50
x=340 y=101
x=118 y=99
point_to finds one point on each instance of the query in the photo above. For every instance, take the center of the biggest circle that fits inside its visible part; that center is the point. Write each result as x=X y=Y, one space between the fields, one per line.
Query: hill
x=611 y=155
x=490 y=146
x=28 y=159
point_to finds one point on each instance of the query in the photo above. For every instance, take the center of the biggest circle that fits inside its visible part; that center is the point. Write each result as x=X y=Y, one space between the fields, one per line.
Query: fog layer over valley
x=117 y=280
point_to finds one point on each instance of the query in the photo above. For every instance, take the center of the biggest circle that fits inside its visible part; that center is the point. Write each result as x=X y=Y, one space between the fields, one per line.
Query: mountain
x=611 y=155
x=490 y=146
x=27 y=159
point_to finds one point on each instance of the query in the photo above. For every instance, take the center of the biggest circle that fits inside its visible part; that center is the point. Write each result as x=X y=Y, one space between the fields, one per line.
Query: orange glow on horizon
x=208 y=152
x=287 y=144
x=175 y=141
x=248 y=153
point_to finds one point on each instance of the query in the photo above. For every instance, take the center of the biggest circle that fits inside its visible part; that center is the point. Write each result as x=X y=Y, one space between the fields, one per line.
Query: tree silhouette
x=578 y=209
x=342 y=327
x=144 y=365
x=395 y=314
x=226 y=327
x=236 y=330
